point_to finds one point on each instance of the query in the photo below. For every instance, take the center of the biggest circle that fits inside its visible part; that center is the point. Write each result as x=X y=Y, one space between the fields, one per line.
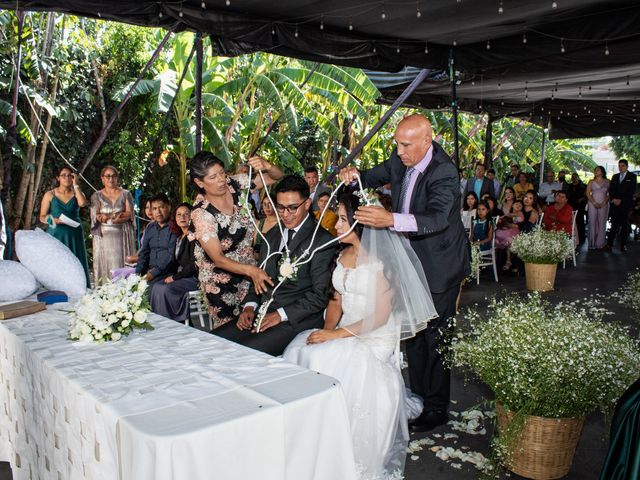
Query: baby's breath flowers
x=542 y=246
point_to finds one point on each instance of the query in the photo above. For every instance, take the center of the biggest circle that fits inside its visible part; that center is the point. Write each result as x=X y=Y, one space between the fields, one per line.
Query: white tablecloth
x=173 y=403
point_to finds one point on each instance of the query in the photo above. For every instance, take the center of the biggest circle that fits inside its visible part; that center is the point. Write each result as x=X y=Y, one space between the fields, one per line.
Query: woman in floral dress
x=224 y=229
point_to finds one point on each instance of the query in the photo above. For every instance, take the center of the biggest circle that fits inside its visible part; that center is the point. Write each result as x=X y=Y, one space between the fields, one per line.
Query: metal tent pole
x=199 y=61
x=488 y=144
x=454 y=108
x=544 y=137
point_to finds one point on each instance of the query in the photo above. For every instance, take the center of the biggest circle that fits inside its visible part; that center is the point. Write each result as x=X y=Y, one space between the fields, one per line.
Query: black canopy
x=573 y=63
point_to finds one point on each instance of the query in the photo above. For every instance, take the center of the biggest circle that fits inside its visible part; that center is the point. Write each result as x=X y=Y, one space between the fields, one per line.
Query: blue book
x=52 y=296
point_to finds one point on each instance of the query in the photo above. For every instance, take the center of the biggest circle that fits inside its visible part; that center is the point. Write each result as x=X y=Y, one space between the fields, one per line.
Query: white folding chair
x=574 y=240
x=198 y=313
x=488 y=257
x=539 y=221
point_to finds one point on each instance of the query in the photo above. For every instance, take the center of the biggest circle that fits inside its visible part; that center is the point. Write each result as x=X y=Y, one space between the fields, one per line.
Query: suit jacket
x=184 y=262
x=320 y=188
x=305 y=297
x=440 y=241
x=487 y=187
x=624 y=191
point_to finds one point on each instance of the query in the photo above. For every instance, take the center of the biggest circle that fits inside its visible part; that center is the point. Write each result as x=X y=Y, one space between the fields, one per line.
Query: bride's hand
x=321 y=336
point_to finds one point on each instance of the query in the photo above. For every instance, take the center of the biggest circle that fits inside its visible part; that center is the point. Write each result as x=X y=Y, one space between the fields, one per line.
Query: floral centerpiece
x=111 y=311
x=541 y=251
x=557 y=362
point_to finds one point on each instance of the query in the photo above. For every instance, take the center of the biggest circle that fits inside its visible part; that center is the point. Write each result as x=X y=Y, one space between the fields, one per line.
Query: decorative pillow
x=50 y=261
x=16 y=281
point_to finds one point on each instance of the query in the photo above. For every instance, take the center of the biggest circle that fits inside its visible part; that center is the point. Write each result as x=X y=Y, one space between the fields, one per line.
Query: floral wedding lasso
x=288 y=266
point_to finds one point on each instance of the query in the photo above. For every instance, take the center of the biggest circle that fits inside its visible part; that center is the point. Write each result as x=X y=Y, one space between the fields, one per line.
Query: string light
x=426 y=48
x=398 y=47
x=606 y=48
x=488 y=44
x=203 y=5
x=273 y=30
x=295 y=34
x=552 y=97
x=383 y=14
x=627 y=80
x=455 y=43
x=500 y=8
x=227 y=3
x=418 y=12
x=321 y=22
x=160 y=14
x=554 y=5
x=375 y=50
x=499 y=85
x=589 y=86
x=608 y=94
x=562 y=49
x=350 y=24
x=524 y=38
x=180 y=14
x=579 y=92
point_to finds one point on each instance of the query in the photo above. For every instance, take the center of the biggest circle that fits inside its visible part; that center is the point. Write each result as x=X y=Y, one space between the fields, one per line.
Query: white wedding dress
x=368 y=368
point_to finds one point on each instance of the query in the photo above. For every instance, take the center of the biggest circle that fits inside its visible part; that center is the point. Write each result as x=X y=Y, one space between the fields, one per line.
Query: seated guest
x=523 y=186
x=530 y=211
x=169 y=297
x=509 y=196
x=494 y=210
x=577 y=198
x=329 y=219
x=559 y=216
x=479 y=183
x=266 y=223
x=133 y=259
x=512 y=178
x=508 y=229
x=548 y=189
x=156 y=253
x=468 y=210
x=299 y=303
x=482 y=231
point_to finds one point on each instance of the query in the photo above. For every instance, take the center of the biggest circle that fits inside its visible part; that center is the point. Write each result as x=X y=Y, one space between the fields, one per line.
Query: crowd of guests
x=501 y=210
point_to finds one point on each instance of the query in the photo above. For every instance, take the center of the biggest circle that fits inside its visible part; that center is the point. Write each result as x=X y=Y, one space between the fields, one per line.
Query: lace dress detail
x=368 y=369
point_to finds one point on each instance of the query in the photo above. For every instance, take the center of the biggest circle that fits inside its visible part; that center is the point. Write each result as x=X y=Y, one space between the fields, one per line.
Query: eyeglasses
x=115 y=175
x=288 y=208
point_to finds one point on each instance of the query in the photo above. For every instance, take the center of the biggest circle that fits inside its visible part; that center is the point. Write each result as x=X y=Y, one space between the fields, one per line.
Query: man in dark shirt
x=156 y=253
x=576 y=192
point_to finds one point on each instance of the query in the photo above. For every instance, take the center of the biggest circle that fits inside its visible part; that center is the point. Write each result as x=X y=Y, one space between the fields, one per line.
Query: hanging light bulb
x=383 y=14
x=589 y=86
x=321 y=22
x=488 y=44
x=426 y=48
x=455 y=43
x=499 y=85
x=398 y=48
x=524 y=38
x=350 y=24
x=180 y=14
x=295 y=34
x=473 y=83
x=160 y=14
x=227 y=3
x=627 y=80
x=554 y=5
x=273 y=30
x=579 y=92
x=562 y=49
x=203 y=5
x=500 y=8
x=606 y=48
x=552 y=97
x=375 y=50
x=418 y=12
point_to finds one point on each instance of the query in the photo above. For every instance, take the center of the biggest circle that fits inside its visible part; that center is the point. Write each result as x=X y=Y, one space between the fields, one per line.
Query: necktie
x=622 y=177
x=290 y=234
x=405 y=185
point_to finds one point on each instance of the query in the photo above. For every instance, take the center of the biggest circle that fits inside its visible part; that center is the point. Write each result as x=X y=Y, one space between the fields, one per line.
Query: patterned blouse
x=224 y=291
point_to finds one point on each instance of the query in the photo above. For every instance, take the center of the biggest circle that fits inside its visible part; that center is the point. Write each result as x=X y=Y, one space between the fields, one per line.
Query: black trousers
x=428 y=375
x=272 y=341
x=619 y=221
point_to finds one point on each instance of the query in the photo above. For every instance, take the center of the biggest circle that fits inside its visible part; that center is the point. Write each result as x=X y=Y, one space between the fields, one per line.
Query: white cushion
x=16 y=281
x=50 y=261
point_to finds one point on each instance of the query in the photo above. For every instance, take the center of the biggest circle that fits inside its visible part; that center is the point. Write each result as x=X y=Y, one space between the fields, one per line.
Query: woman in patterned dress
x=224 y=230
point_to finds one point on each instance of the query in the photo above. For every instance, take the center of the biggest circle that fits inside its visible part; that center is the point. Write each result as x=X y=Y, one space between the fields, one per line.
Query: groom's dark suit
x=440 y=244
x=303 y=298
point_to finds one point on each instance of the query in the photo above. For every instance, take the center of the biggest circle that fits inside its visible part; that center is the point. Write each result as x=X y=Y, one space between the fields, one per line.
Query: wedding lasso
x=289 y=267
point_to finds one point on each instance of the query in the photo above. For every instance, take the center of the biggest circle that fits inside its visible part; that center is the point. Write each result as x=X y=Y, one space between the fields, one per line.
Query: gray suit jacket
x=487 y=187
x=304 y=298
x=440 y=242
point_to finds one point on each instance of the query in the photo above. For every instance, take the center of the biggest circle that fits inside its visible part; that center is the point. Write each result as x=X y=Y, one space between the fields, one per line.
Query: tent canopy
x=570 y=64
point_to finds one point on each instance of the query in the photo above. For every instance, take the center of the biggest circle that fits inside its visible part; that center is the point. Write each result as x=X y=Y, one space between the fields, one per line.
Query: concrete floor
x=596 y=272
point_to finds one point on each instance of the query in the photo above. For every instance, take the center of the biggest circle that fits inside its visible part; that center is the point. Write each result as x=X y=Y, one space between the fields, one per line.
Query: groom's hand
x=245 y=320
x=376 y=217
x=270 y=320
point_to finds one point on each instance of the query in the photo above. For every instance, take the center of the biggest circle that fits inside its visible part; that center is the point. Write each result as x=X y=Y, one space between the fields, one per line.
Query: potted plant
x=548 y=366
x=541 y=251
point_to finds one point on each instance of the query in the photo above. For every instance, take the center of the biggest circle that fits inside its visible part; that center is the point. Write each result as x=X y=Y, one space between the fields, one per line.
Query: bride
x=378 y=298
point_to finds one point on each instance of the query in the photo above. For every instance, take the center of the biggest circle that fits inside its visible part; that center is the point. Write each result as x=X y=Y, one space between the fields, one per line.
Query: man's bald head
x=413 y=138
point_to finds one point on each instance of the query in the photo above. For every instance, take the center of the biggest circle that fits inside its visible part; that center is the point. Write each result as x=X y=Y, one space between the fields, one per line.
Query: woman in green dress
x=66 y=199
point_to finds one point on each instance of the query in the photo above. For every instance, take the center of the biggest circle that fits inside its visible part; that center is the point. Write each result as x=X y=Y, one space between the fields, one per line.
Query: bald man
x=426 y=209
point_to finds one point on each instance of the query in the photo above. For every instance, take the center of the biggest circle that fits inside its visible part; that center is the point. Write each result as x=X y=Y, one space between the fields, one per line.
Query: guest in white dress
x=378 y=299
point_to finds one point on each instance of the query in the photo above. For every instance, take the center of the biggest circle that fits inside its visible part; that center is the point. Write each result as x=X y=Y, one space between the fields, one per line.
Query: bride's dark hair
x=348 y=198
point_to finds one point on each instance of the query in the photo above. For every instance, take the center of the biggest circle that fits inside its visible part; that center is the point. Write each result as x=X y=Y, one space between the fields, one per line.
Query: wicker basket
x=545 y=447
x=540 y=276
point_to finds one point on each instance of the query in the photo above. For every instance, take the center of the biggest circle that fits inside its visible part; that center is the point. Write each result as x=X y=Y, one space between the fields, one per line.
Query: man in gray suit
x=480 y=184
x=315 y=188
x=299 y=303
x=426 y=209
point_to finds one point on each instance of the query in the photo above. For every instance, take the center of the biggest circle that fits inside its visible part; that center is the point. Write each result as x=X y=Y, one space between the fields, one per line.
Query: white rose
x=112 y=319
x=86 y=339
x=140 y=317
x=286 y=270
x=128 y=316
x=116 y=336
x=125 y=323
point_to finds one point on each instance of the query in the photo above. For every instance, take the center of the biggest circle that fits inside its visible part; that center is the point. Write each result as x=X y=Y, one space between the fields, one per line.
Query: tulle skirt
x=370 y=377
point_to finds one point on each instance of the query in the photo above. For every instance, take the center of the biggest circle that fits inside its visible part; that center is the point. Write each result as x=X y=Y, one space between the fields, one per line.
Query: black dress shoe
x=429 y=420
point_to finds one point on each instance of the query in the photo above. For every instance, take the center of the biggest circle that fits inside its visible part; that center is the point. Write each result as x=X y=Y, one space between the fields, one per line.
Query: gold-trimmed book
x=18 y=309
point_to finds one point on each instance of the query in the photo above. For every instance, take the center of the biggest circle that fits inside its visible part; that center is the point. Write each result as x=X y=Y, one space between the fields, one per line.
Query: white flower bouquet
x=547 y=361
x=629 y=294
x=542 y=246
x=111 y=311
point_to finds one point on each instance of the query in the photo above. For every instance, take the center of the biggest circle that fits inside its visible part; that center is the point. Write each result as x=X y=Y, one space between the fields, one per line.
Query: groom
x=300 y=301
x=426 y=202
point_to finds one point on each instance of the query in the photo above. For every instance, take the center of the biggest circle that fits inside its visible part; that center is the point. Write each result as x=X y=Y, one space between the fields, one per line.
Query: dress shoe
x=429 y=420
x=606 y=248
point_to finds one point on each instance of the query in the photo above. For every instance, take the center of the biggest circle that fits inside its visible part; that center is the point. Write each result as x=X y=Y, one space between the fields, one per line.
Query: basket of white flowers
x=541 y=251
x=548 y=366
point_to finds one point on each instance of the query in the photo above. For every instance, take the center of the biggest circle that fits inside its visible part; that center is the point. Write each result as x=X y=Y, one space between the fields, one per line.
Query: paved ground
x=596 y=272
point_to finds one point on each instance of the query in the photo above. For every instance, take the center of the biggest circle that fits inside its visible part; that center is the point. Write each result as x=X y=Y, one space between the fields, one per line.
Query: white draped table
x=172 y=403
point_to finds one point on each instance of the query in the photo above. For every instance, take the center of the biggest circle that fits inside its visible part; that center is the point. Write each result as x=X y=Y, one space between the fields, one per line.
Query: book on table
x=18 y=309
